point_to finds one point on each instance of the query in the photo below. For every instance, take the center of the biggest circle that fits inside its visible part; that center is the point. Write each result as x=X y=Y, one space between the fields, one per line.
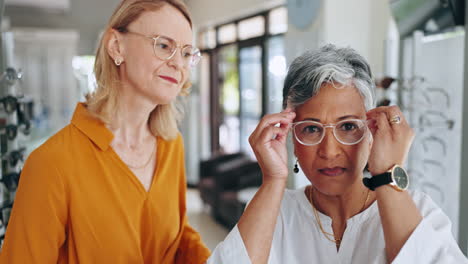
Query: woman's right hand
x=268 y=142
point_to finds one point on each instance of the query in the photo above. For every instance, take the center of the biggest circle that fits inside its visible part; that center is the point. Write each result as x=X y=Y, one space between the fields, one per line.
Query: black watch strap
x=377 y=180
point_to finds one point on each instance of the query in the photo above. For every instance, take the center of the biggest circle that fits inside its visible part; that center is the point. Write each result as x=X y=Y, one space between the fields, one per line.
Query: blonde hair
x=103 y=102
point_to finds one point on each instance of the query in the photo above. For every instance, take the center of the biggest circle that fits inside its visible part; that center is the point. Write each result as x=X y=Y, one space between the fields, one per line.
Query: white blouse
x=297 y=238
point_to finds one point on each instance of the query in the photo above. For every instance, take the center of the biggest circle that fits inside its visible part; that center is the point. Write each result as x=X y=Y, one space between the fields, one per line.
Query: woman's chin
x=332 y=186
x=163 y=99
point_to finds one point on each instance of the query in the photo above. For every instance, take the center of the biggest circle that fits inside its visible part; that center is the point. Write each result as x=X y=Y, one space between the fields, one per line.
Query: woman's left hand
x=392 y=140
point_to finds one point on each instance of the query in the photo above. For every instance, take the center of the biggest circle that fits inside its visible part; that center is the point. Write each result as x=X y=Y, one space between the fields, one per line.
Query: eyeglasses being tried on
x=347 y=132
x=165 y=48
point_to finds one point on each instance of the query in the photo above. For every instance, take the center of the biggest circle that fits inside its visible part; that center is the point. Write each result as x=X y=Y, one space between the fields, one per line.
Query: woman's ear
x=115 y=46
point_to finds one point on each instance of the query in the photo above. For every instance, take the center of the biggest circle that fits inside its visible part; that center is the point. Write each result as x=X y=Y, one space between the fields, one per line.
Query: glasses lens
x=308 y=132
x=191 y=55
x=164 y=47
x=350 y=131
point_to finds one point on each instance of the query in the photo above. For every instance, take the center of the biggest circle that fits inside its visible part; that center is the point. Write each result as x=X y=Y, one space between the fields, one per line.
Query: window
x=278 y=20
x=251 y=27
x=245 y=77
x=204 y=82
x=229 y=99
x=227 y=33
x=207 y=39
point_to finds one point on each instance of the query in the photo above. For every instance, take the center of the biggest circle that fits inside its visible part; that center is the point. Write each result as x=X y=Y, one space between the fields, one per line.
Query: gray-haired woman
x=329 y=108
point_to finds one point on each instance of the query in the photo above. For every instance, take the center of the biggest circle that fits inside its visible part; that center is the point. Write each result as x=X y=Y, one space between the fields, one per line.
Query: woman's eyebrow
x=348 y=116
x=338 y=119
x=312 y=119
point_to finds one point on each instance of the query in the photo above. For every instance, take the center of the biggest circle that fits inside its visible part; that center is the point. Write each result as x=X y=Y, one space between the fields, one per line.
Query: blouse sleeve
x=432 y=240
x=36 y=230
x=191 y=249
x=231 y=250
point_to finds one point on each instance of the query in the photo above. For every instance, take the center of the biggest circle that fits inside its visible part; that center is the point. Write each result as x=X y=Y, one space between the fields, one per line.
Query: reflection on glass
x=278 y=20
x=227 y=33
x=250 y=67
x=251 y=27
x=276 y=74
x=229 y=99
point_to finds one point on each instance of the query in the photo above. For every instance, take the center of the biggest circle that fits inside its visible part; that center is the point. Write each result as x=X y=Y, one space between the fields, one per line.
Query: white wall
x=360 y=24
x=87 y=17
x=209 y=12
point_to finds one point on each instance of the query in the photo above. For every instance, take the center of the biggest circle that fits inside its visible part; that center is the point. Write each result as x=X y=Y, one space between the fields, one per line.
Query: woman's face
x=331 y=166
x=157 y=80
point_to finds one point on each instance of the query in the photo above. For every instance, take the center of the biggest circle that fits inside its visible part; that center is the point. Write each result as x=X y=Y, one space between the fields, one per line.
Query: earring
x=296 y=168
x=118 y=61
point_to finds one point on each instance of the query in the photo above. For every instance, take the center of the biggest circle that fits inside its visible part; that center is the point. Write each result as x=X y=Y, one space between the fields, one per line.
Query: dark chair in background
x=222 y=178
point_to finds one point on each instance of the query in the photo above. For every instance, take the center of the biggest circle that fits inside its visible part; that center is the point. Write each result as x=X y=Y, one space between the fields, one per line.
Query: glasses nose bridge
x=174 y=51
x=325 y=126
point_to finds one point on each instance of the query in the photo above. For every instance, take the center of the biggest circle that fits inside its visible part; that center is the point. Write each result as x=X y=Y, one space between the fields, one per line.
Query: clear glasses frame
x=362 y=123
x=191 y=60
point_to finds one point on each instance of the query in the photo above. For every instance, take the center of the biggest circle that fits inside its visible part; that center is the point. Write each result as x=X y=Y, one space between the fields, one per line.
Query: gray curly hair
x=329 y=64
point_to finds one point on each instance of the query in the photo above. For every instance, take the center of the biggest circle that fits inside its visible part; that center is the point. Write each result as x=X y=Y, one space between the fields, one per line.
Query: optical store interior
x=244 y=48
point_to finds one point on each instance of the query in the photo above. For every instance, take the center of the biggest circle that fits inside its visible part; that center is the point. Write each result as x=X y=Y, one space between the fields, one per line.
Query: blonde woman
x=110 y=186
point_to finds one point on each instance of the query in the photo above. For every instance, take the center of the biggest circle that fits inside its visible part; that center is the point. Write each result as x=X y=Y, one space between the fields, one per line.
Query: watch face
x=400 y=178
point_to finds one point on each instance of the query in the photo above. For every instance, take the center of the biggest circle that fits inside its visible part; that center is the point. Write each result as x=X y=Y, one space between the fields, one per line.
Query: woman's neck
x=130 y=125
x=344 y=206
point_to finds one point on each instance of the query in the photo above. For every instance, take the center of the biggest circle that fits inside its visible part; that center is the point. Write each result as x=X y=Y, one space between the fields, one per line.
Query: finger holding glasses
x=392 y=138
x=268 y=142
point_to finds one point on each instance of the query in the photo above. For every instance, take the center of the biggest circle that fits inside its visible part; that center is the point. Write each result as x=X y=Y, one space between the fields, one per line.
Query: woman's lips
x=167 y=78
x=332 y=171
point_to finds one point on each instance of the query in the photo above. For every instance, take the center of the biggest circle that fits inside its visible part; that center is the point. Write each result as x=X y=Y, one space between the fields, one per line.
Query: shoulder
x=293 y=195
x=175 y=142
x=294 y=203
x=55 y=148
x=45 y=164
x=171 y=147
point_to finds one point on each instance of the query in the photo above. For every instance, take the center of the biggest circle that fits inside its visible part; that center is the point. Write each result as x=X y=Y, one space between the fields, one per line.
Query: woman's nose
x=177 y=59
x=329 y=148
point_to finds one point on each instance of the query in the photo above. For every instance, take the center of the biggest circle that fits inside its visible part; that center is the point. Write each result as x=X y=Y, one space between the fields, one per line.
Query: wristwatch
x=396 y=177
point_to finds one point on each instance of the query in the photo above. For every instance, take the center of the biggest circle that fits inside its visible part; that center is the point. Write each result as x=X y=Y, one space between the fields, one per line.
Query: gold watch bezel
x=393 y=183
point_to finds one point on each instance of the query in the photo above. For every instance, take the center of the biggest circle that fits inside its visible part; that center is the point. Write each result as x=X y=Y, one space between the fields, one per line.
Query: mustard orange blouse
x=77 y=202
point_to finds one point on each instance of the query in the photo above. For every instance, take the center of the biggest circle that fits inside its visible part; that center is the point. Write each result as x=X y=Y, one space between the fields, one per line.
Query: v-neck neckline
x=354 y=222
x=360 y=217
x=139 y=185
